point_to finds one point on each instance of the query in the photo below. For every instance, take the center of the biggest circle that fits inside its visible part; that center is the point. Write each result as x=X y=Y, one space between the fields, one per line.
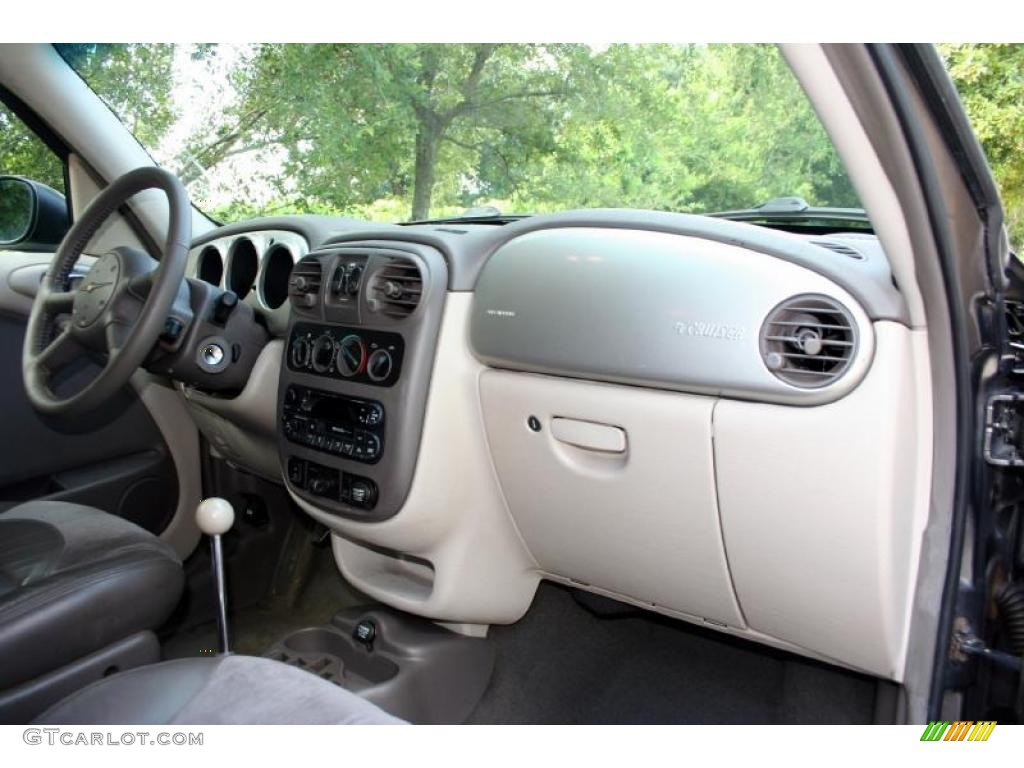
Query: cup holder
x=334 y=657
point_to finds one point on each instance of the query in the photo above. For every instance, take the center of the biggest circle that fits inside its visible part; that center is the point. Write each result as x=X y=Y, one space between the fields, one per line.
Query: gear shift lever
x=214 y=517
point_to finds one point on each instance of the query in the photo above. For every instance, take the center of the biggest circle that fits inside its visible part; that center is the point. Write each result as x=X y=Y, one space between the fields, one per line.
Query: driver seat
x=80 y=592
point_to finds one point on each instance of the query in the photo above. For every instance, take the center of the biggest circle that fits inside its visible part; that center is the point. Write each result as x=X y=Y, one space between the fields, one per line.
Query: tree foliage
x=990 y=79
x=134 y=80
x=407 y=131
x=535 y=127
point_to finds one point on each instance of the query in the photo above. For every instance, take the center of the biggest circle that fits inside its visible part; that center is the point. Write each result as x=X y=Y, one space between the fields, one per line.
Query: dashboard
x=715 y=421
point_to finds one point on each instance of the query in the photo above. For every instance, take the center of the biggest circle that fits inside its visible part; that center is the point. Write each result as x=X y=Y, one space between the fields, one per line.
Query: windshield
x=409 y=132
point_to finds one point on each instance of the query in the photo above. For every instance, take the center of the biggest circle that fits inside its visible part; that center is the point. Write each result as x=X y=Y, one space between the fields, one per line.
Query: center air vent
x=808 y=341
x=304 y=283
x=395 y=288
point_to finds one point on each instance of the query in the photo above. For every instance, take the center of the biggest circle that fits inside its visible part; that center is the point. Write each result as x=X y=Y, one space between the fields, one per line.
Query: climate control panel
x=347 y=427
x=358 y=355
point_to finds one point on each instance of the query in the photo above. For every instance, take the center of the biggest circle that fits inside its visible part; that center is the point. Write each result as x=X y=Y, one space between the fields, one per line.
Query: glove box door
x=613 y=487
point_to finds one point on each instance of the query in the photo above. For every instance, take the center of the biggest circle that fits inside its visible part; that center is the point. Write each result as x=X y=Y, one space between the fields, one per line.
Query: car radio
x=348 y=427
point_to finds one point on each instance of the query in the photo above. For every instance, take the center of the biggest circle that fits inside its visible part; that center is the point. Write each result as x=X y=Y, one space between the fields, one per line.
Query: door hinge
x=966 y=643
x=1003 y=430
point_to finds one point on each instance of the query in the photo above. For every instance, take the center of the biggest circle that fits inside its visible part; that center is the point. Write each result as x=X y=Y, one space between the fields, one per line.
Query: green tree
x=360 y=122
x=15 y=210
x=990 y=79
x=362 y=128
x=22 y=153
x=694 y=128
x=134 y=80
x=539 y=126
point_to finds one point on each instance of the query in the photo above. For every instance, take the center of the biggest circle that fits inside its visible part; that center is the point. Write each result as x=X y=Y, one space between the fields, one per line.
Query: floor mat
x=254 y=630
x=562 y=664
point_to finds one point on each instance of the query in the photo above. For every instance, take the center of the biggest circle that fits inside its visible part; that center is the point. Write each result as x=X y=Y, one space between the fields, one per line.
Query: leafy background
x=392 y=132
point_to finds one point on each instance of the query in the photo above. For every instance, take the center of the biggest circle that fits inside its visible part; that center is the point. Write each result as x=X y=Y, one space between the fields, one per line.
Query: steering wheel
x=119 y=308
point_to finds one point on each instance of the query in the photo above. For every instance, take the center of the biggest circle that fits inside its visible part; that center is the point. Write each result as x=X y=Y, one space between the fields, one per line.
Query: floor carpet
x=562 y=664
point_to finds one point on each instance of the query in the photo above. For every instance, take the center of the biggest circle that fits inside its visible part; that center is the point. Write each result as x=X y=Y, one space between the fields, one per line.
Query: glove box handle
x=589 y=435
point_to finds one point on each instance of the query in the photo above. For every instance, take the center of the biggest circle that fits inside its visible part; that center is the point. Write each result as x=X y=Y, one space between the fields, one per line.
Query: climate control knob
x=322 y=356
x=300 y=352
x=379 y=366
x=351 y=355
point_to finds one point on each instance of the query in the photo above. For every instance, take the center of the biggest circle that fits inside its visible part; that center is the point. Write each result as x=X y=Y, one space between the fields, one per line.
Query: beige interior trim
x=115 y=230
x=168 y=411
x=242 y=430
x=452 y=552
x=822 y=511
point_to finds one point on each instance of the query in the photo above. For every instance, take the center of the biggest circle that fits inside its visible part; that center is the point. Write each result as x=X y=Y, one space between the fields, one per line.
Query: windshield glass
x=408 y=132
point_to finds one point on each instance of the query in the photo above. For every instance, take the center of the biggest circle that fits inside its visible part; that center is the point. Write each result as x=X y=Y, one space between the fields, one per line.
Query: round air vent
x=808 y=341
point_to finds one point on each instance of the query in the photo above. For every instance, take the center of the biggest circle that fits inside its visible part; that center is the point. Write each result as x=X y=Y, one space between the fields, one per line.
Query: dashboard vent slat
x=396 y=288
x=787 y=323
x=840 y=248
x=304 y=283
x=795 y=340
x=808 y=341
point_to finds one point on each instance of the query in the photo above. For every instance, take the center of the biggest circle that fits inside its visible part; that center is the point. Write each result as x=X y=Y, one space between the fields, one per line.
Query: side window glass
x=23 y=153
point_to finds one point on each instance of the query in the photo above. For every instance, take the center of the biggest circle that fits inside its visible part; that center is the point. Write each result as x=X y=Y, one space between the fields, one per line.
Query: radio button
x=371 y=414
x=372 y=447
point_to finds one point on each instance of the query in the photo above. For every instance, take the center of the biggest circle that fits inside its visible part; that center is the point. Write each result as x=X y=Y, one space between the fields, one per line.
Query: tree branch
x=523 y=95
x=464 y=145
x=471 y=83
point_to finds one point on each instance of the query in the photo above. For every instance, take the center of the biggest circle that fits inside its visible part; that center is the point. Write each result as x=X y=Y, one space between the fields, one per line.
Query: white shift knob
x=215 y=516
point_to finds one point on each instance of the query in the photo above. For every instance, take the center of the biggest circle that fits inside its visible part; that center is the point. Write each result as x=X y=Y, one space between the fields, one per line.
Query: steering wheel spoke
x=58 y=302
x=116 y=336
x=60 y=353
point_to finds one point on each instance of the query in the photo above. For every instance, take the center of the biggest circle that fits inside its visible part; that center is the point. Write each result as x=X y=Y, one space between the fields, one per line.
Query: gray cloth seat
x=74 y=580
x=222 y=690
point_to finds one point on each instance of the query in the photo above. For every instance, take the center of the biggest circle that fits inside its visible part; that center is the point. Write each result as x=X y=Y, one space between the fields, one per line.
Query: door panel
x=116 y=461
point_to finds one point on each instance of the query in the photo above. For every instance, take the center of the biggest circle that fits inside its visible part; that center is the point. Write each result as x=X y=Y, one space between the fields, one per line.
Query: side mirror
x=33 y=216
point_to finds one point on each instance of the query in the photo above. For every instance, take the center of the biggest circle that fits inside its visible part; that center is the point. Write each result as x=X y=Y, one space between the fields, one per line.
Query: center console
x=361 y=343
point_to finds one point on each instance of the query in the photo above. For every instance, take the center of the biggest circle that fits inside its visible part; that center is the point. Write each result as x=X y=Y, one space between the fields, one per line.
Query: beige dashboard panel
x=818 y=511
x=616 y=490
x=451 y=552
x=242 y=429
